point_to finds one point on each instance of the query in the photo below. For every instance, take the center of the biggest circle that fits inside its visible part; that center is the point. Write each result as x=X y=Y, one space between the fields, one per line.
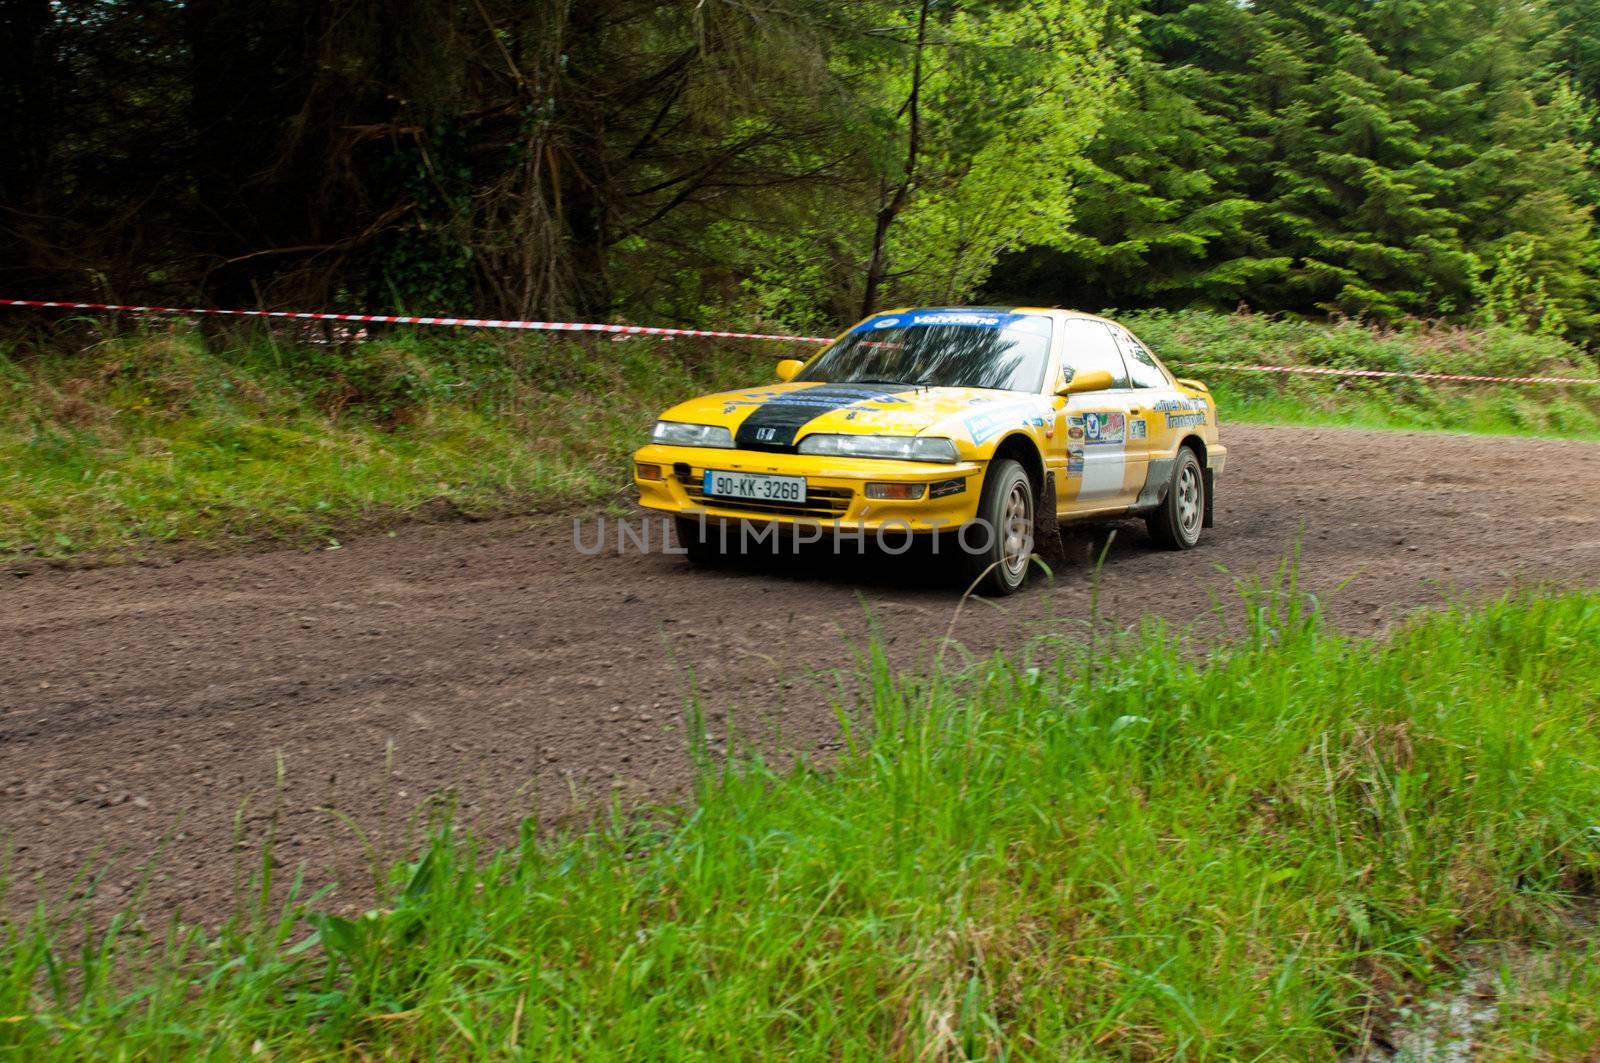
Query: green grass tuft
x=1124 y=849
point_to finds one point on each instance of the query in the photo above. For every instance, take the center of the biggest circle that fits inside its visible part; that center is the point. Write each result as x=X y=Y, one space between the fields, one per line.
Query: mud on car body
x=946 y=419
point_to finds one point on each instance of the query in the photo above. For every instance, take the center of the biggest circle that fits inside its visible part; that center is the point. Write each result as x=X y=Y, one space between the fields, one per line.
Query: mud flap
x=1046 y=529
x=1208 y=520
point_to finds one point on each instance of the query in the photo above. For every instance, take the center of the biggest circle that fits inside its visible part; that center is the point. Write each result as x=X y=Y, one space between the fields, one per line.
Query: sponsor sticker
x=983 y=425
x=959 y=318
x=1104 y=428
x=1185 y=420
x=944 y=488
x=987 y=423
x=980 y=320
x=1136 y=429
x=1074 y=459
x=1175 y=405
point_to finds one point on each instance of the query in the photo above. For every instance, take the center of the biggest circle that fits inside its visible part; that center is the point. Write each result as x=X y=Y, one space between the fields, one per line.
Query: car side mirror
x=789 y=367
x=1093 y=380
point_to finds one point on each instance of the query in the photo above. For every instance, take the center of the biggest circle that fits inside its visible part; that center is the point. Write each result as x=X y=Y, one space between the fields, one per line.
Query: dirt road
x=143 y=708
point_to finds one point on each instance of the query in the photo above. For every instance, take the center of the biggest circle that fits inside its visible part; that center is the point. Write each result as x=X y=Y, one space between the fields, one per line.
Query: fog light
x=895 y=492
x=646 y=472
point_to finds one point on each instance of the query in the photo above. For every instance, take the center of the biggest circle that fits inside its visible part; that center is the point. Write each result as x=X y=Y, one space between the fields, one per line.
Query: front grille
x=825 y=502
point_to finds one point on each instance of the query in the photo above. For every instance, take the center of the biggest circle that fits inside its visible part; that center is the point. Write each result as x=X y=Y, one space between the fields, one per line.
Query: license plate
x=757 y=487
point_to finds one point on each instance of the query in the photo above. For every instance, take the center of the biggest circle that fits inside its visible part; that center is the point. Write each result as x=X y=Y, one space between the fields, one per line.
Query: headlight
x=682 y=434
x=898 y=448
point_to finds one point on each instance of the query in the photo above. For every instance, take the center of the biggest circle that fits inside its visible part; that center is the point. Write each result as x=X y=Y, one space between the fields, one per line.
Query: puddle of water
x=1442 y=1027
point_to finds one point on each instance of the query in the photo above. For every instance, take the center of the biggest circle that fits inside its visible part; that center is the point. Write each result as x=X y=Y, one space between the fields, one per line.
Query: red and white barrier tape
x=397 y=319
x=645 y=330
x=1312 y=370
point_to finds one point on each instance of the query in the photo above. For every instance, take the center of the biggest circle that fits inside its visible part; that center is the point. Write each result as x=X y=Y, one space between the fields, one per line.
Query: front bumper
x=835 y=488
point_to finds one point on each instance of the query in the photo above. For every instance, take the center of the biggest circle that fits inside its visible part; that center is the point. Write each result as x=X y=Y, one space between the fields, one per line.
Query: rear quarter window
x=1142 y=367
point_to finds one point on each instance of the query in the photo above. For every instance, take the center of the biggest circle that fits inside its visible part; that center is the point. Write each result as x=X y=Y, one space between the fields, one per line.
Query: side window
x=1142 y=366
x=1091 y=346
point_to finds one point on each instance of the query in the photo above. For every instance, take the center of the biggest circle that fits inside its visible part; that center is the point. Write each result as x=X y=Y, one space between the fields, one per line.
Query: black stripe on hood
x=774 y=424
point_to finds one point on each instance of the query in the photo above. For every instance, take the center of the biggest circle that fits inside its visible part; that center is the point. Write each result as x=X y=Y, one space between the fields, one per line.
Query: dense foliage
x=1402 y=157
x=799 y=160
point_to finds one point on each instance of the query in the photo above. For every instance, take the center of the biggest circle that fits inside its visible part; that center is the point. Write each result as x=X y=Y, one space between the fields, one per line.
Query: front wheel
x=1176 y=524
x=998 y=545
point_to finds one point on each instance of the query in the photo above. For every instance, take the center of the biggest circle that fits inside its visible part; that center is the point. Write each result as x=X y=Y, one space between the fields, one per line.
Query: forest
x=799 y=162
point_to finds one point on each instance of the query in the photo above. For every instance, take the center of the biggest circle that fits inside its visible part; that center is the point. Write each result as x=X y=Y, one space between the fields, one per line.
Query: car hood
x=778 y=416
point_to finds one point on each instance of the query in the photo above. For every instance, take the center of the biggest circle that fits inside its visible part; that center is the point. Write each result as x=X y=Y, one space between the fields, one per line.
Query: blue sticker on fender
x=986 y=423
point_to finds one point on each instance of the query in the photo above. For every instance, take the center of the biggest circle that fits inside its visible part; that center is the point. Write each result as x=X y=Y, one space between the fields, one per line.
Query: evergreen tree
x=1579 y=48
x=1337 y=156
x=1431 y=137
x=1164 y=213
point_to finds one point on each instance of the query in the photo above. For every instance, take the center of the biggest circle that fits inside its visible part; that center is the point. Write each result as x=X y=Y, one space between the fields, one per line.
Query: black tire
x=1176 y=524
x=700 y=540
x=1004 y=488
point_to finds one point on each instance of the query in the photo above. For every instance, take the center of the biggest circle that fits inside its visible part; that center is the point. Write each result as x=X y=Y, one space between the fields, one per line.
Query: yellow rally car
x=973 y=422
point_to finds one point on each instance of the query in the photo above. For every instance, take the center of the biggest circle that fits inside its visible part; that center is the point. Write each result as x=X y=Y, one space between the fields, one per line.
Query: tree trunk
x=893 y=202
x=583 y=180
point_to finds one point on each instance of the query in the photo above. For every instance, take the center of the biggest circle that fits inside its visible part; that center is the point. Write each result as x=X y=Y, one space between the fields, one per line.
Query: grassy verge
x=1193 y=338
x=1126 y=850
x=168 y=436
x=173 y=435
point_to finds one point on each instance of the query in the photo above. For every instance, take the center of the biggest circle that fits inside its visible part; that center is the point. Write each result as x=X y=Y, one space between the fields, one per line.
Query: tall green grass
x=1114 y=847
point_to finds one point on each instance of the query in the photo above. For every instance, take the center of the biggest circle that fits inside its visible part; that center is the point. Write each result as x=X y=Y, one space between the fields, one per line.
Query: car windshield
x=940 y=348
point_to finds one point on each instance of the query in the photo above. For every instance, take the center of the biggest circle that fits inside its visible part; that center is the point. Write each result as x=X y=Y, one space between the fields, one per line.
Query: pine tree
x=1578 y=50
x=1375 y=159
x=1432 y=137
x=1163 y=214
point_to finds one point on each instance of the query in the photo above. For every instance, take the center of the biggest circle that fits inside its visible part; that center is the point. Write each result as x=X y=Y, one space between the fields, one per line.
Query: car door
x=1153 y=400
x=1102 y=471
x=1148 y=390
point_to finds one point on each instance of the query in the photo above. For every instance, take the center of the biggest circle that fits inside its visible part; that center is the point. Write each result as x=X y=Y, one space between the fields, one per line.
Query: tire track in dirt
x=142 y=707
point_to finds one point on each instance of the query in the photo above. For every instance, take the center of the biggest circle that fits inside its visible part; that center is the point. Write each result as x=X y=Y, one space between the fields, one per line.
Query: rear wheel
x=999 y=543
x=1176 y=524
